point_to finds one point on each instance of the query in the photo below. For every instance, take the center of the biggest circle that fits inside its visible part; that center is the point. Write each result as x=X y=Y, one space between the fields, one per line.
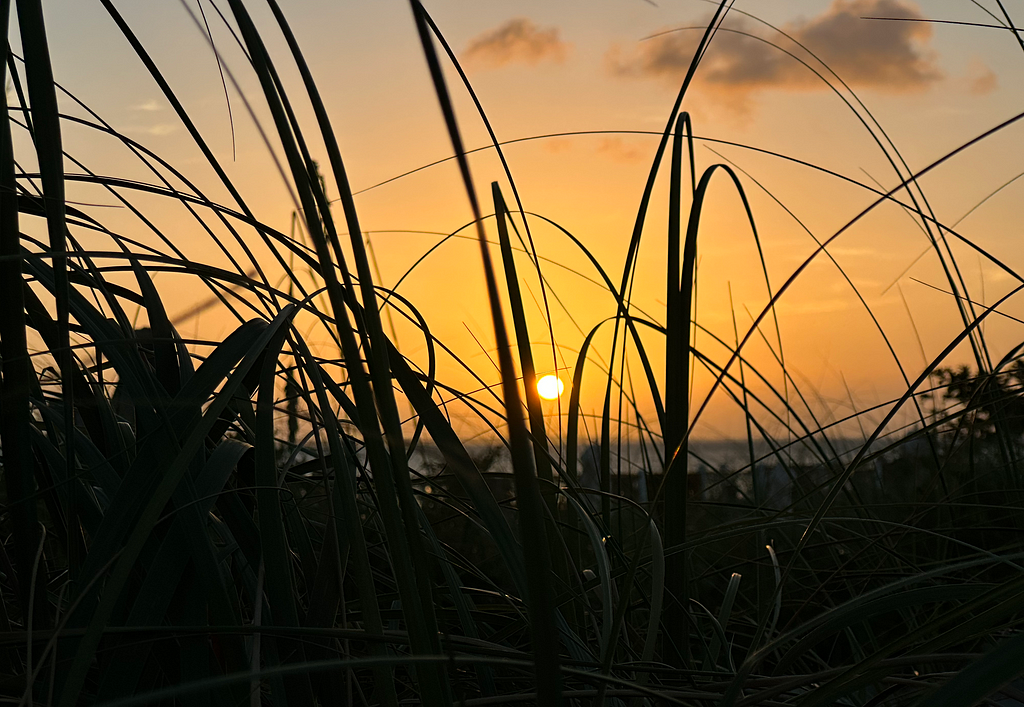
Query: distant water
x=630 y=455
x=735 y=453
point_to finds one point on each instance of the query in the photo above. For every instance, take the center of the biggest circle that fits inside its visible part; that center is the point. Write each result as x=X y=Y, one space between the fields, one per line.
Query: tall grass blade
x=530 y=505
x=15 y=411
x=678 y=309
x=535 y=412
x=47 y=140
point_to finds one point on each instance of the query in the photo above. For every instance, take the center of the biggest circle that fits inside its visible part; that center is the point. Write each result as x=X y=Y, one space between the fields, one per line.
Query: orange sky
x=542 y=68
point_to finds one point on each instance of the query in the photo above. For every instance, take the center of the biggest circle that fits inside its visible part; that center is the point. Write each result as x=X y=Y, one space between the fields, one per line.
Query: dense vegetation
x=251 y=521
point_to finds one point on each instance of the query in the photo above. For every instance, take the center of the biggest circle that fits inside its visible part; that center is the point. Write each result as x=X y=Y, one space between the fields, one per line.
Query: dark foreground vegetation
x=249 y=521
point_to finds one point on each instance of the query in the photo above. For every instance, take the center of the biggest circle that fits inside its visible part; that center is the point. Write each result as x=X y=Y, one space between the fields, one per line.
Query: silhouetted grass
x=252 y=521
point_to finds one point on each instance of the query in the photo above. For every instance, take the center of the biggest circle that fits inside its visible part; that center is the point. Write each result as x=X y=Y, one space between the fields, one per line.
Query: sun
x=550 y=387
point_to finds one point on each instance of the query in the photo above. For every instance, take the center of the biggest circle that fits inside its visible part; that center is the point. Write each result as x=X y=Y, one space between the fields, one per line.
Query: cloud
x=890 y=56
x=620 y=150
x=982 y=80
x=161 y=129
x=148 y=106
x=518 y=40
x=557 y=145
x=155 y=130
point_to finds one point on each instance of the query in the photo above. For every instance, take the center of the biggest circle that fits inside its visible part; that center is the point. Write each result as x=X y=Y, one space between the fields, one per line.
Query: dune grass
x=251 y=521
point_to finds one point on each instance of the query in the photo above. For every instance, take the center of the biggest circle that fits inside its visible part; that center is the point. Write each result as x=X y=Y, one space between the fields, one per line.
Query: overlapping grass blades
x=168 y=544
x=533 y=533
x=17 y=370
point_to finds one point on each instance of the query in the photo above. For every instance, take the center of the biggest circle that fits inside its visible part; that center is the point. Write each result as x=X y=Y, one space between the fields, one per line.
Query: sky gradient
x=579 y=86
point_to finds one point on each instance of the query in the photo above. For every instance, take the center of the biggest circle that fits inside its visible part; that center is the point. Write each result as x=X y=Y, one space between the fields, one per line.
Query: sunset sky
x=543 y=68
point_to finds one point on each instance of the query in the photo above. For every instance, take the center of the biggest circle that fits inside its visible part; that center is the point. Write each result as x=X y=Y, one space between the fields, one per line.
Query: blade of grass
x=723 y=619
x=530 y=504
x=678 y=309
x=15 y=411
x=538 y=428
x=46 y=121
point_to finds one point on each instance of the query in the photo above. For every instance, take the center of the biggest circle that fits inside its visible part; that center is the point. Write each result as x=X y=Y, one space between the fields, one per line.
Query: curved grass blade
x=679 y=306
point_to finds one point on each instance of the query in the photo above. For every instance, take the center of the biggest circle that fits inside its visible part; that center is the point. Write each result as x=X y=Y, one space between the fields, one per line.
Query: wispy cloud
x=620 y=150
x=155 y=130
x=518 y=40
x=892 y=56
x=161 y=129
x=149 y=106
x=981 y=78
x=558 y=145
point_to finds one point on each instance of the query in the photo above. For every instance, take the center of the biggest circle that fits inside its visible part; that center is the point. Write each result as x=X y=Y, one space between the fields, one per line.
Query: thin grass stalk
x=538 y=428
x=530 y=245
x=711 y=660
x=747 y=416
x=630 y=263
x=634 y=243
x=197 y=137
x=628 y=269
x=532 y=523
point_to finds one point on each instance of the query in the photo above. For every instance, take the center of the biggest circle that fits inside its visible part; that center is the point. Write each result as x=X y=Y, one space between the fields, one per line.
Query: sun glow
x=550 y=387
